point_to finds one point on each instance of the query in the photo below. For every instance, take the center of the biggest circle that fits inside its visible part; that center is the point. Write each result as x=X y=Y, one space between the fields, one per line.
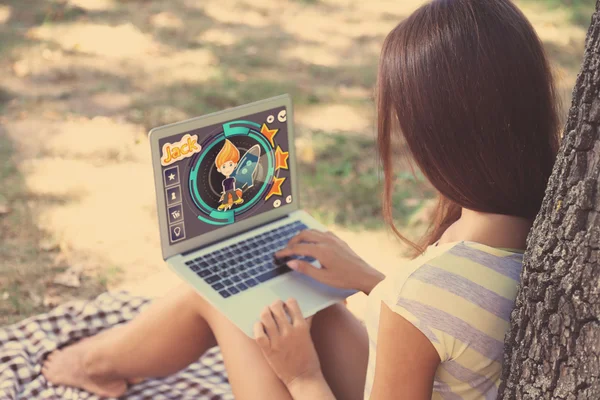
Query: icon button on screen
x=171 y=176
x=175 y=214
x=177 y=232
x=173 y=195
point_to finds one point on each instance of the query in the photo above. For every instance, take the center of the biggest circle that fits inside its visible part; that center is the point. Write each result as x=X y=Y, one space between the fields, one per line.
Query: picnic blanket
x=23 y=347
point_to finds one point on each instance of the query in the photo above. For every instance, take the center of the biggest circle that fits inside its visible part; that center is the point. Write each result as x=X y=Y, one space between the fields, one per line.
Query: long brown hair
x=469 y=87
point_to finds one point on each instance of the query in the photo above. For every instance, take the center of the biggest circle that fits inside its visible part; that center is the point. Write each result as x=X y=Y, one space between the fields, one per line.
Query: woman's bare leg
x=176 y=330
x=342 y=343
x=165 y=338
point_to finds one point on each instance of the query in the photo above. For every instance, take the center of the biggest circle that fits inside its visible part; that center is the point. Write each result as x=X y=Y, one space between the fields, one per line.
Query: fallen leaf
x=68 y=279
x=21 y=68
x=48 y=245
x=36 y=299
x=4 y=209
x=52 y=300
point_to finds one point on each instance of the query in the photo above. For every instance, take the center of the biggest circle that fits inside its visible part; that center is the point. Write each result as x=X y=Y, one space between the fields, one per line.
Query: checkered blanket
x=23 y=347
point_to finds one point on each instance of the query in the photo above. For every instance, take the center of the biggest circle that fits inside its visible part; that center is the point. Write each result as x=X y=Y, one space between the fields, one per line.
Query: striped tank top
x=460 y=296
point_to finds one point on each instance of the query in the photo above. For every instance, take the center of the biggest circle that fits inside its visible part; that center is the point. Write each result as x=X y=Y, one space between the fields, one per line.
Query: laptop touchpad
x=310 y=294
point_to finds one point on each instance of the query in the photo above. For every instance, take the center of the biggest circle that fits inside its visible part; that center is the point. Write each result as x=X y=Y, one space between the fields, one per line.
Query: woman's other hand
x=286 y=343
x=341 y=266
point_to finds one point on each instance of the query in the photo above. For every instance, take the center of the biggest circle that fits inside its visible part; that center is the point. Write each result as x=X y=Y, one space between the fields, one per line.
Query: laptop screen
x=221 y=174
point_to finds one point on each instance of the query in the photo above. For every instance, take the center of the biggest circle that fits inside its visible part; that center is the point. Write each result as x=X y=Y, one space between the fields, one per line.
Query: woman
x=467 y=84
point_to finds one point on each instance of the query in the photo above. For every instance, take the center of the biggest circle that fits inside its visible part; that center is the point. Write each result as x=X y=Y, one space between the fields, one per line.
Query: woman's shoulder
x=473 y=261
x=457 y=270
x=470 y=261
x=463 y=268
x=461 y=291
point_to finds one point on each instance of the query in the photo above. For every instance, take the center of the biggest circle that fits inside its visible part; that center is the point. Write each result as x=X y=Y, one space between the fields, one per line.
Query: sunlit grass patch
x=181 y=101
x=343 y=184
x=26 y=270
x=580 y=10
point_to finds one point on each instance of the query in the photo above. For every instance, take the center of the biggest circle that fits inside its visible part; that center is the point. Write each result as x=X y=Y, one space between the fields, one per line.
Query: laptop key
x=242 y=286
x=224 y=293
x=227 y=282
x=189 y=263
x=212 y=279
x=218 y=286
x=236 y=279
x=251 y=282
x=195 y=268
x=244 y=275
x=233 y=290
x=252 y=271
x=203 y=273
x=280 y=270
x=271 y=265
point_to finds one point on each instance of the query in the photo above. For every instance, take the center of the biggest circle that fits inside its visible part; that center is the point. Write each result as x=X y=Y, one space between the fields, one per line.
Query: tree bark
x=552 y=350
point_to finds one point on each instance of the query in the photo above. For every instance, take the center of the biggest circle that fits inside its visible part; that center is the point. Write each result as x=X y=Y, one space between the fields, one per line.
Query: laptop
x=228 y=198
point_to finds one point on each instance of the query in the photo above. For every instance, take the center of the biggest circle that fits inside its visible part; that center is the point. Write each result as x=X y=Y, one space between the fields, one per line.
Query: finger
x=307 y=269
x=308 y=236
x=280 y=317
x=266 y=317
x=294 y=311
x=301 y=249
x=309 y=320
x=261 y=337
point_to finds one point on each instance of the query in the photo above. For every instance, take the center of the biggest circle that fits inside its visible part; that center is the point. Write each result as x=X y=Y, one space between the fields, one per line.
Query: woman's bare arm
x=406 y=360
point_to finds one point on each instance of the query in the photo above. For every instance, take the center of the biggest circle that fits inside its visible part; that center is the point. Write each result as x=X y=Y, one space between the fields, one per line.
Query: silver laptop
x=227 y=196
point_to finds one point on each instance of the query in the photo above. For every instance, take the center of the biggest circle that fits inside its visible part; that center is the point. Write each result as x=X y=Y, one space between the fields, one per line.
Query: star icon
x=281 y=158
x=172 y=177
x=276 y=188
x=269 y=133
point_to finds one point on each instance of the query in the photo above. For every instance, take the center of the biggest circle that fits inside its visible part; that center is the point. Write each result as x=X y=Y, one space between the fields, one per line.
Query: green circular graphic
x=231 y=129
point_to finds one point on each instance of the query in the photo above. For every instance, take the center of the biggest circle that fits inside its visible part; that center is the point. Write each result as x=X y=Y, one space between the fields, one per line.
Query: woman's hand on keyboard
x=341 y=266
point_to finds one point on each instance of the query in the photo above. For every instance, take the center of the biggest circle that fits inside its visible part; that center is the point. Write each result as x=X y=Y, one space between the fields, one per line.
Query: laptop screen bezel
x=168 y=249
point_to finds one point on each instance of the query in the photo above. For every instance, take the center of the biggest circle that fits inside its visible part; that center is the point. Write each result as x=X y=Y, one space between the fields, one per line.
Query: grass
x=58 y=11
x=360 y=75
x=20 y=276
x=580 y=10
x=343 y=186
x=186 y=101
x=110 y=276
x=26 y=271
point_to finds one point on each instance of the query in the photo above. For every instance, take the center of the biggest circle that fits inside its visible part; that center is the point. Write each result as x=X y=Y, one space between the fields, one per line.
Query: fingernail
x=293 y=264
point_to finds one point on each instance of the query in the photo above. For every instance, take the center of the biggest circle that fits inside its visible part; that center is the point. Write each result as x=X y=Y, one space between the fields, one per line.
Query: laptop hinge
x=236 y=234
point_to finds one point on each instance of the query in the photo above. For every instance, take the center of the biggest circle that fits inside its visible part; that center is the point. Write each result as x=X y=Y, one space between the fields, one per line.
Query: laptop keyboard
x=245 y=264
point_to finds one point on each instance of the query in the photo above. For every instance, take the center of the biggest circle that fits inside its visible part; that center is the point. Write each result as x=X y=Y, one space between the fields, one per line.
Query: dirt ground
x=83 y=80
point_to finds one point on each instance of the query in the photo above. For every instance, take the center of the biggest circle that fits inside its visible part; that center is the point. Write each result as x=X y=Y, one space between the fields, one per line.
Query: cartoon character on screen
x=226 y=163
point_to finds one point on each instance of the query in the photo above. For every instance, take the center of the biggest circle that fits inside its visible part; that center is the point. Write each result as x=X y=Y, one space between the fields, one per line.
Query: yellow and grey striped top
x=460 y=296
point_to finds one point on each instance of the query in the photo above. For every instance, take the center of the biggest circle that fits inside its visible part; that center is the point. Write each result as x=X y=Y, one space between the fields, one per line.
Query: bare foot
x=69 y=367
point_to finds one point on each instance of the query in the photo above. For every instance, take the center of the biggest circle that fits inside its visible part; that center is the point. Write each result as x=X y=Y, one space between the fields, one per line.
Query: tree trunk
x=552 y=350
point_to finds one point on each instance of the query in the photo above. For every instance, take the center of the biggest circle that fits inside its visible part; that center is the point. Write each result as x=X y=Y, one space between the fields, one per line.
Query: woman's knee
x=189 y=298
x=335 y=309
x=327 y=316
